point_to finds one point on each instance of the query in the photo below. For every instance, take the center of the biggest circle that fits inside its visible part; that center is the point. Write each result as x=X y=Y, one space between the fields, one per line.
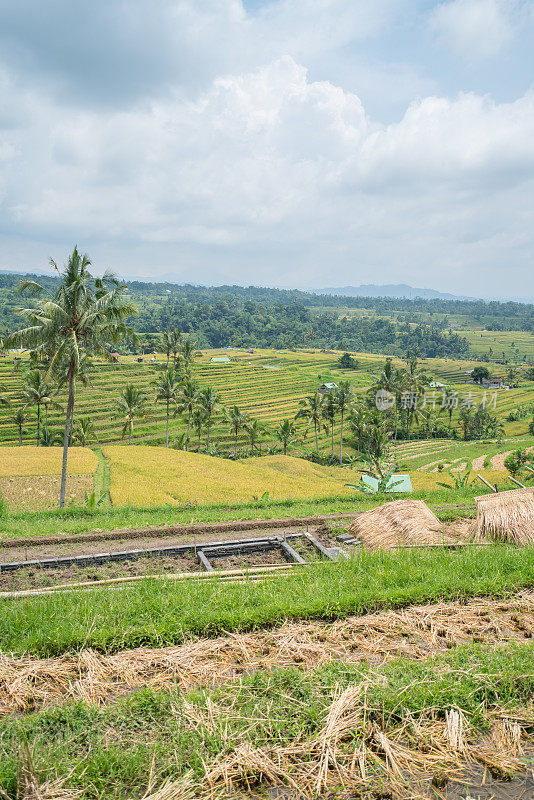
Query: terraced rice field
x=267 y=384
x=514 y=345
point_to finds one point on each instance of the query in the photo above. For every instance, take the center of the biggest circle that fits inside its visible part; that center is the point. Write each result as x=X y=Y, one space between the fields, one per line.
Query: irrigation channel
x=33 y=569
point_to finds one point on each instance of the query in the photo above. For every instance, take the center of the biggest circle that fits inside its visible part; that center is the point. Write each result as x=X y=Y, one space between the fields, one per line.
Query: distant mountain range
x=391 y=290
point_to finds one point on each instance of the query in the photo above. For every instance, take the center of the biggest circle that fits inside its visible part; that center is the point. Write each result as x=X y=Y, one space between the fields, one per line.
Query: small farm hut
x=327 y=387
x=401 y=523
x=506 y=516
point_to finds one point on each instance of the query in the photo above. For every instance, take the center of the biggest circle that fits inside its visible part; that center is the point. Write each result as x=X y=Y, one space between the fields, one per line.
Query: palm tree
x=167 y=346
x=254 y=429
x=343 y=399
x=37 y=392
x=392 y=380
x=236 y=420
x=198 y=420
x=186 y=402
x=358 y=421
x=84 y=313
x=312 y=410
x=209 y=401
x=49 y=439
x=286 y=433
x=4 y=401
x=329 y=413
x=167 y=388
x=449 y=401
x=84 y=430
x=414 y=381
x=188 y=353
x=19 y=418
x=172 y=342
x=130 y=404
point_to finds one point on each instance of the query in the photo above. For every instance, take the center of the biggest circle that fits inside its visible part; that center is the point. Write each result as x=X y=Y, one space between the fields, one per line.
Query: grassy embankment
x=159 y=612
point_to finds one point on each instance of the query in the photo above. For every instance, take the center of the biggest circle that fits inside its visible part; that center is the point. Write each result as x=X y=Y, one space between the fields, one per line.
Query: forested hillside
x=265 y=317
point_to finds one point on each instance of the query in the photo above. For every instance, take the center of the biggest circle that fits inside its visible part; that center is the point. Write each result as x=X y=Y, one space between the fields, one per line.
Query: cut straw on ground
x=415 y=632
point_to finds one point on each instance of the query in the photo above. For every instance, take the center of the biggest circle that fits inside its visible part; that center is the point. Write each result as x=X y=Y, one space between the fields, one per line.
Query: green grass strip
x=161 y=612
x=74 y=520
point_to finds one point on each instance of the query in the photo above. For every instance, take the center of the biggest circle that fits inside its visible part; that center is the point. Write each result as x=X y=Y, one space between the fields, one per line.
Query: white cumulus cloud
x=474 y=28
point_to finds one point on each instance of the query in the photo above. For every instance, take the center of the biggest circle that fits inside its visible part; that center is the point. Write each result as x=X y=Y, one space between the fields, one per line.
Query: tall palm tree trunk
x=167 y=430
x=188 y=429
x=129 y=431
x=38 y=423
x=20 y=435
x=396 y=418
x=316 y=439
x=235 y=444
x=67 y=435
x=332 y=438
x=208 y=423
x=341 y=441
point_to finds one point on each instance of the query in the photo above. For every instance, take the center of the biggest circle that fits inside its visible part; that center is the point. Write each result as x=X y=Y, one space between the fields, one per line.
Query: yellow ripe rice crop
x=155 y=475
x=28 y=460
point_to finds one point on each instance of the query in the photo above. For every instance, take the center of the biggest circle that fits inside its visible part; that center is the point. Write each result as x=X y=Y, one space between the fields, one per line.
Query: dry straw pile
x=506 y=516
x=401 y=523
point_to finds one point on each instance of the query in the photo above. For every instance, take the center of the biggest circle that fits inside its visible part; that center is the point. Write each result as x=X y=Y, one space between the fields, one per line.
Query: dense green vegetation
x=265 y=317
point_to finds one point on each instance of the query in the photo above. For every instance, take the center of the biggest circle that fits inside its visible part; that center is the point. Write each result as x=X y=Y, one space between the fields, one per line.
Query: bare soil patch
x=38 y=577
x=33 y=578
x=26 y=549
x=415 y=632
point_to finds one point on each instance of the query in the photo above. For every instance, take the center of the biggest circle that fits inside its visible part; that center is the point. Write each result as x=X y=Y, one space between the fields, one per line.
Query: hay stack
x=506 y=516
x=401 y=523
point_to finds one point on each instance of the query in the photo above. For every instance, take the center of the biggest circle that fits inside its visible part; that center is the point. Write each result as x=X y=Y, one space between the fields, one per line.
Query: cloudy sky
x=303 y=143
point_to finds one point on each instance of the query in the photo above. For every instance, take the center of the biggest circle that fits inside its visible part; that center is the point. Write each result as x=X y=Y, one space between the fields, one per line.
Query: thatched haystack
x=401 y=523
x=506 y=516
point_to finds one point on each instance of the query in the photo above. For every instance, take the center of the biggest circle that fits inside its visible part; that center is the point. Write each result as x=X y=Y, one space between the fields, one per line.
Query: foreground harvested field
x=36 y=492
x=159 y=612
x=415 y=632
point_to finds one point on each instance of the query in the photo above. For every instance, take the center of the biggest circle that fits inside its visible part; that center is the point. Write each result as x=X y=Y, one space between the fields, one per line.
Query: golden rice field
x=30 y=476
x=145 y=476
x=142 y=475
x=28 y=460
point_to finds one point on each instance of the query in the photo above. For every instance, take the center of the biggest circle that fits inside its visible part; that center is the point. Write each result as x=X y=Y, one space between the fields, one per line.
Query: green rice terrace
x=267 y=384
